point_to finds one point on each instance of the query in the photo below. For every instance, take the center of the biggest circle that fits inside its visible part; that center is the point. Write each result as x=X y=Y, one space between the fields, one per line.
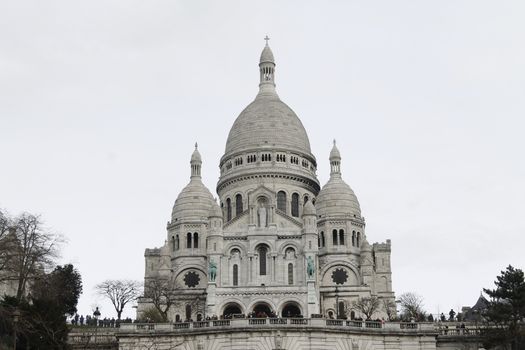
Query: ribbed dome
x=267 y=121
x=196 y=156
x=266 y=55
x=193 y=203
x=215 y=210
x=309 y=209
x=337 y=199
x=195 y=200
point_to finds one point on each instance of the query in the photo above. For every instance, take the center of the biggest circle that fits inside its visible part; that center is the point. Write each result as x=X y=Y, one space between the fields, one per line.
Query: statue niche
x=262 y=212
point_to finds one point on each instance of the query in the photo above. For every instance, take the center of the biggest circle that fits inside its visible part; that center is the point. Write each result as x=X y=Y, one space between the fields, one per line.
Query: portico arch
x=262 y=309
x=232 y=308
x=291 y=309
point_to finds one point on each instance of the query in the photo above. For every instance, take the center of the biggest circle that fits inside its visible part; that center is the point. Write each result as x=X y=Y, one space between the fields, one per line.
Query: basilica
x=275 y=243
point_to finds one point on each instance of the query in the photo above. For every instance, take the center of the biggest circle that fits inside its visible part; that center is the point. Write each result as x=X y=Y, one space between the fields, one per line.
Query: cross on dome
x=266 y=38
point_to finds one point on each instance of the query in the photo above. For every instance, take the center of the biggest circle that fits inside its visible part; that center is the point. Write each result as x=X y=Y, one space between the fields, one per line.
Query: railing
x=145 y=327
x=278 y=321
x=299 y=321
x=357 y=324
x=375 y=326
x=221 y=323
x=468 y=331
x=408 y=325
x=201 y=324
x=257 y=321
x=184 y=325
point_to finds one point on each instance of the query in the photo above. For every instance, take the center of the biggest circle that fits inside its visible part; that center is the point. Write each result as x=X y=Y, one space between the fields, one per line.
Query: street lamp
x=96 y=315
x=16 y=317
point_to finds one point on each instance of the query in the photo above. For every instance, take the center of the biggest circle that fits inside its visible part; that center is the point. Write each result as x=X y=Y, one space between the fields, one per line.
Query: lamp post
x=96 y=315
x=16 y=317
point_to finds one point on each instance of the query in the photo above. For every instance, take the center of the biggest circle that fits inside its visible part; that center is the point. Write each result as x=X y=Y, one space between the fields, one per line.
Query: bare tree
x=26 y=249
x=367 y=306
x=38 y=248
x=165 y=294
x=7 y=238
x=159 y=290
x=390 y=309
x=412 y=306
x=119 y=292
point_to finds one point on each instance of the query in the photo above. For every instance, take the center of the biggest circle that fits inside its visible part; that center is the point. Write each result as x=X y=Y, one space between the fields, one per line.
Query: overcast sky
x=102 y=101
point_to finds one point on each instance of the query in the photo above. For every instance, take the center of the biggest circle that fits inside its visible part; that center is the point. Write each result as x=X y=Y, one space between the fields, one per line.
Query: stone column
x=211 y=308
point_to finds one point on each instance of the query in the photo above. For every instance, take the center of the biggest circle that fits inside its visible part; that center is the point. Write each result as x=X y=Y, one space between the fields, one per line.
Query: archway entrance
x=262 y=310
x=231 y=309
x=291 y=310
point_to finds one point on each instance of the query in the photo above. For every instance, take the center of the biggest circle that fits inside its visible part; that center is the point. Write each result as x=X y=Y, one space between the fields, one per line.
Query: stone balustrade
x=277 y=323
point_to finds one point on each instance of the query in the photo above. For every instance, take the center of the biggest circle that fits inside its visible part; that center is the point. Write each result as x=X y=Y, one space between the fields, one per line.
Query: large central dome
x=267 y=142
x=267 y=121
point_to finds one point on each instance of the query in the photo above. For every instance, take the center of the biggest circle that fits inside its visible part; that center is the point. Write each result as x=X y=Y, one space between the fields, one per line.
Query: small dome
x=267 y=55
x=195 y=200
x=337 y=199
x=196 y=156
x=334 y=153
x=215 y=210
x=309 y=209
x=365 y=246
x=193 y=203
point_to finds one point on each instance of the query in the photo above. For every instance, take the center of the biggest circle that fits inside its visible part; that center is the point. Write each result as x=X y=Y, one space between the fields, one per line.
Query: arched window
x=334 y=237
x=188 y=312
x=358 y=240
x=322 y=239
x=238 y=205
x=353 y=238
x=352 y=315
x=290 y=273
x=177 y=242
x=295 y=205
x=341 y=310
x=281 y=201
x=177 y=318
x=228 y=209
x=235 y=275
x=195 y=240
x=262 y=260
x=319 y=240
x=173 y=244
x=305 y=199
x=188 y=240
x=342 y=237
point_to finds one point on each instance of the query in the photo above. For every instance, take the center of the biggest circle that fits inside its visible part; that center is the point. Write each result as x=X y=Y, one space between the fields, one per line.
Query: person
x=451 y=315
x=82 y=320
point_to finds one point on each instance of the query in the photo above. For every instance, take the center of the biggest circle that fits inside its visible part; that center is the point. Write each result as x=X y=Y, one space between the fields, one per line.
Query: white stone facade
x=277 y=242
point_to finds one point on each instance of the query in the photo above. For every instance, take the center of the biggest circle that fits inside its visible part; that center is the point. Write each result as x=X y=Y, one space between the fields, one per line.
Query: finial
x=334 y=142
x=266 y=38
x=196 y=145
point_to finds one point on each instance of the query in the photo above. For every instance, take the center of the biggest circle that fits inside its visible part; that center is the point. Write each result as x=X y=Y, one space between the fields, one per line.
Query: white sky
x=102 y=101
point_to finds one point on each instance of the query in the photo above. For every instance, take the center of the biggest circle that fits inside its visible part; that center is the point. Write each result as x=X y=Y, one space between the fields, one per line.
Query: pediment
x=261 y=191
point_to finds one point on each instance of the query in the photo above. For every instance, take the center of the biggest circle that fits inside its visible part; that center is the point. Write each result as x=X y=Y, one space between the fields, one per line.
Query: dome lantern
x=196 y=163
x=267 y=70
x=335 y=161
